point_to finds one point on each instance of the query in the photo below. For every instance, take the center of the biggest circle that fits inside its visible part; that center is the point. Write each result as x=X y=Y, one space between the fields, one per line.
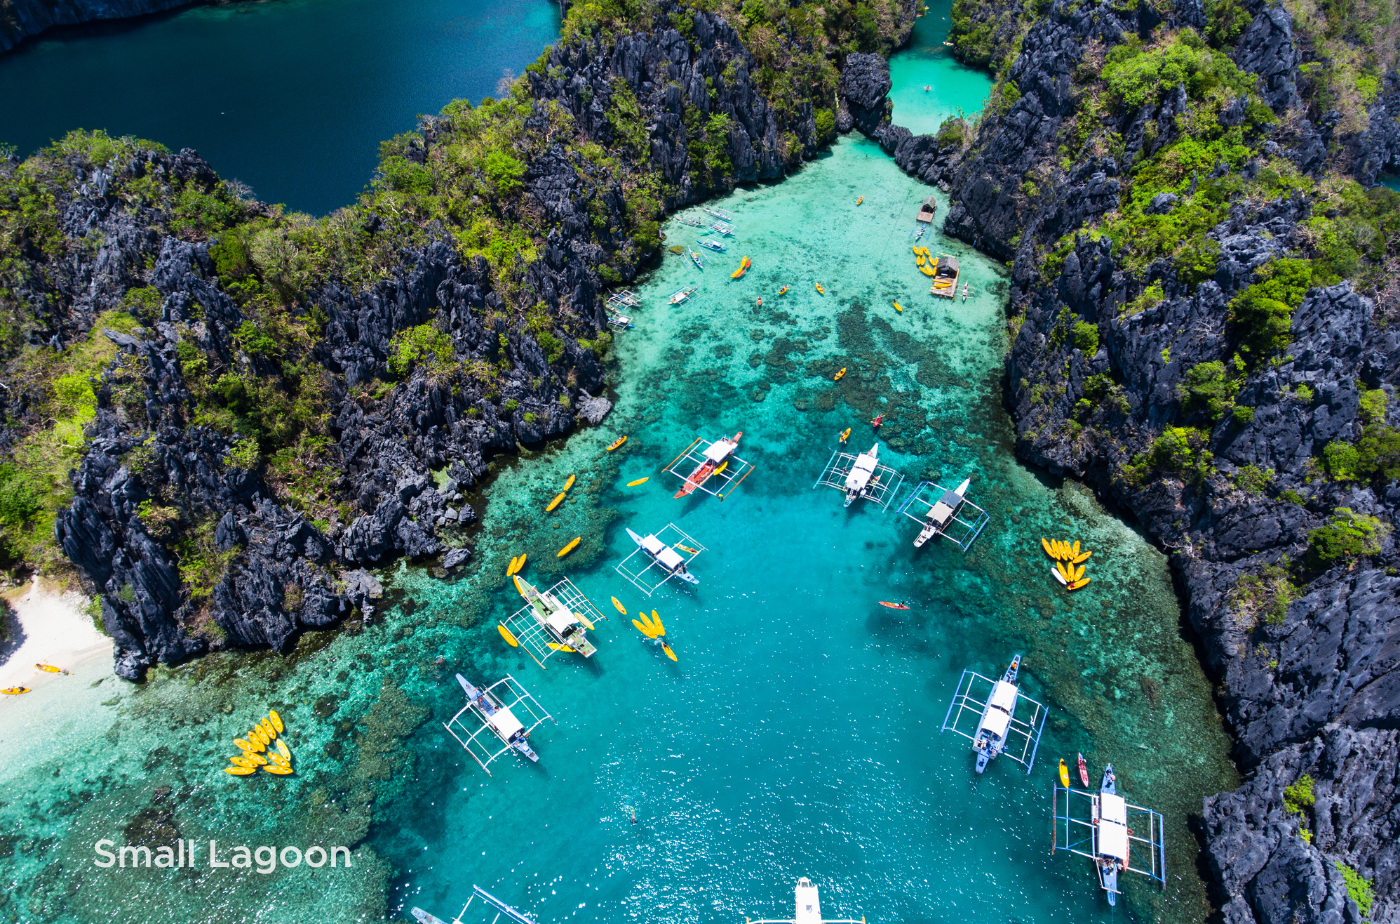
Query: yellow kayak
x=276 y=721
x=1079 y=573
x=559 y=499
x=51 y=669
x=268 y=731
x=1064 y=775
x=1082 y=557
x=14 y=691
x=927 y=271
x=620 y=608
x=279 y=771
x=1079 y=583
x=237 y=771
x=837 y=376
x=570 y=547
x=283 y=749
x=510 y=568
x=1049 y=549
x=820 y=290
x=243 y=745
x=278 y=760
x=656 y=621
x=633 y=484
x=617 y=442
x=506 y=634
x=1074 y=551
x=898 y=308
x=255 y=757
x=645 y=630
x=555 y=646
x=570 y=483
x=667 y=648
x=242 y=762
x=1064 y=572
x=921 y=260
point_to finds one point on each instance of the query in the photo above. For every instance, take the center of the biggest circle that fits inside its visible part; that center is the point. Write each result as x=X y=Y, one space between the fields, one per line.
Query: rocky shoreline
x=1150 y=190
x=21 y=20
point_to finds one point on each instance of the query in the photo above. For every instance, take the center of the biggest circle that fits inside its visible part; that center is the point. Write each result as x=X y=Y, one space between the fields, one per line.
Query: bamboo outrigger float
x=553 y=621
x=944 y=512
x=1096 y=825
x=808 y=910
x=503 y=708
x=861 y=477
x=999 y=729
x=716 y=470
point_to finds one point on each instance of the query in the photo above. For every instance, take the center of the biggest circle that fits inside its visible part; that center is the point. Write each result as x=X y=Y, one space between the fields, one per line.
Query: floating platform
x=930 y=205
x=728 y=469
x=981 y=705
x=945 y=276
x=1103 y=826
x=502 y=714
x=646 y=572
x=552 y=621
x=944 y=512
x=861 y=477
x=493 y=906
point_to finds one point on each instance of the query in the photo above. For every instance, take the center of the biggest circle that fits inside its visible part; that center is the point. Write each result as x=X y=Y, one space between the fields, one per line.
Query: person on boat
x=878 y=421
x=927 y=87
x=1112 y=777
x=760 y=301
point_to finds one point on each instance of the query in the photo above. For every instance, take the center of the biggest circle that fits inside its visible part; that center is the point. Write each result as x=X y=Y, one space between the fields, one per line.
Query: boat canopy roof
x=669 y=558
x=561 y=620
x=505 y=723
x=994 y=722
x=943 y=511
x=652 y=544
x=1003 y=696
x=1113 y=827
x=719 y=450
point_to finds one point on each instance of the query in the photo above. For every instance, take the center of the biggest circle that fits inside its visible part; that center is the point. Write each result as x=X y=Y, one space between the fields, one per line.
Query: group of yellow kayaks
x=1069 y=562
x=744 y=265
x=928 y=264
x=652 y=628
x=262 y=748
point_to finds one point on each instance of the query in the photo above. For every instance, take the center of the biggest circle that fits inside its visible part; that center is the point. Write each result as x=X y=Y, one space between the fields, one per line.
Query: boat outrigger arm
x=552 y=621
x=944 y=512
x=505 y=709
x=809 y=909
x=861 y=477
x=1005 y=721
x=664 y=554
x=1103 y=826
x=501 y=909
x=713 y=467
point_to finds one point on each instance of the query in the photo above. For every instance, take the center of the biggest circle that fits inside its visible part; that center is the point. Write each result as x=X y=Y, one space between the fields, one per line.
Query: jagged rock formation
x=1145 y=373
x=277 y=406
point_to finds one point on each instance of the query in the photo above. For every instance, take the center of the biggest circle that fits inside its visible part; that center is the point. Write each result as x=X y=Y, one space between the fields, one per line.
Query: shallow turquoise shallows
x=289 y=96
x=952 y=88
x=798 y=732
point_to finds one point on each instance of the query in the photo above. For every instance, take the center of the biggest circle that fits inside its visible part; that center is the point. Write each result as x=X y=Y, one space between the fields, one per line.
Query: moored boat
x=499 y=718
x=665 y=557
x=942 y=513
x=1001 y=705
x=716 y=454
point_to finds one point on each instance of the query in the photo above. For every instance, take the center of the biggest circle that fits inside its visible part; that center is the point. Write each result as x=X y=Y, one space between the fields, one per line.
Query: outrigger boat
x=1104 y=836
x=713 y=245
x=945 y=513
x=809 y=909
x=721 y=214
x=696 y=259
x=664 y=557
x=687 y=220
x=861 y=474
x=553 y=621
x=501 y=909
x=681 y=295
x=715 y=455
x=507 y=710
x=998 y=730
x=720 y=227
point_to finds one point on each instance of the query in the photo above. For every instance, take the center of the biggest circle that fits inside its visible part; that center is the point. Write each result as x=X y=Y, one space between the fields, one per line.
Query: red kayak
x=894 y=606
x=1083 y=771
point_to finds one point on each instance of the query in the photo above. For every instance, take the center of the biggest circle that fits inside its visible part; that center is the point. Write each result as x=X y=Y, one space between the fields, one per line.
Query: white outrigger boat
x=720 y=227
x=697 y=260
x=808 y=910
x=711 y=460
x=945 y=513
x=682 y=295
x=553 y=621
x=666 y=558
x=861 y=477
x=667 y=553
x=721 y=214
x=495 y=708
x=716 y=246
x=1105 y=836
x=501 y=909
x=558 y=618
x=998 y=728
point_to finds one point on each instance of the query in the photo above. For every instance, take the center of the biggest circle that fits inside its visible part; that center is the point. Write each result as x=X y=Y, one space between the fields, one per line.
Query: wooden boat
x=721 y=214
x=569 y=548
x=693 y=222
x=716 y=246
x=696 y=259
x=716 y=455
x=633 y=484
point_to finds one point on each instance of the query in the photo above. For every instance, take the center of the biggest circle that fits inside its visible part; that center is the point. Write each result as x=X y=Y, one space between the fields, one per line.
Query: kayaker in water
x=760 y=301
x=878 y=421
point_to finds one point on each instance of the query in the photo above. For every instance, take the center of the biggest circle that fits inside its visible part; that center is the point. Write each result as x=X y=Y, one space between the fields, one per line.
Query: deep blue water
x=289 y=96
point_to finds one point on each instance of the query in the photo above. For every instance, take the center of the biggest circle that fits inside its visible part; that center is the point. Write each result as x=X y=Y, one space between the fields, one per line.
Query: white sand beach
x=56 y=630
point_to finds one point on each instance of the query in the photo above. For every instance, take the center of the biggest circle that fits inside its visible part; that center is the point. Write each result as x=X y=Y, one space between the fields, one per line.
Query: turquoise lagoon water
x=953 y=88
x=799 y=732
x=289 y=96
